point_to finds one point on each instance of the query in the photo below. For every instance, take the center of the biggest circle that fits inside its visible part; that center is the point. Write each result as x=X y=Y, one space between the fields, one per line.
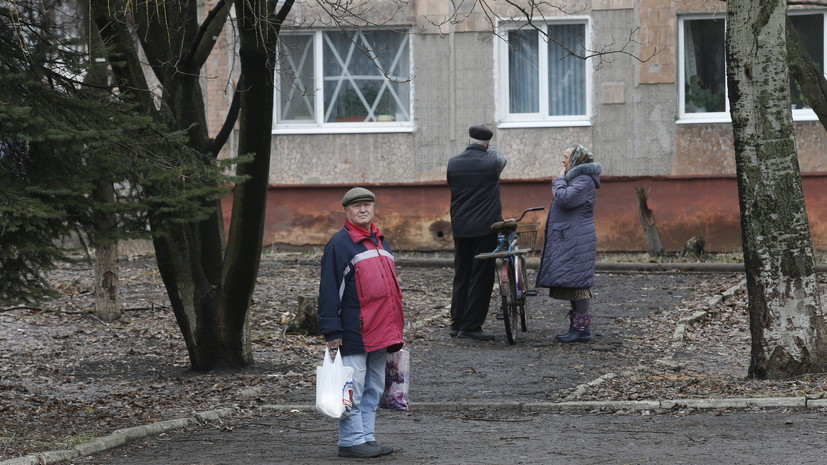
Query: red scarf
x=358 y=230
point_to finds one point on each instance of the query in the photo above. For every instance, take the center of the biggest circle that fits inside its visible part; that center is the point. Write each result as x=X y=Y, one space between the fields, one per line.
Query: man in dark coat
x=474 y=179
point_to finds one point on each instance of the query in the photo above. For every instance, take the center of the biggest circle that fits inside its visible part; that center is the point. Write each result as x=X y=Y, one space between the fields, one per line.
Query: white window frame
x=705 y=117
x=505 y=119
x=319 y=126
x=807 y=114
x=803 y=114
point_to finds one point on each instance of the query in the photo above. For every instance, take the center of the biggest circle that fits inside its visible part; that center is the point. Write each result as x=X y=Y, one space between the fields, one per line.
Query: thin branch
x=208 y=32
x=535 y=15
x=229 y=123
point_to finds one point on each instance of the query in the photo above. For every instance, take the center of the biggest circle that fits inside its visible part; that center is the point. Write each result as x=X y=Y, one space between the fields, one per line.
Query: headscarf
x=580 y=155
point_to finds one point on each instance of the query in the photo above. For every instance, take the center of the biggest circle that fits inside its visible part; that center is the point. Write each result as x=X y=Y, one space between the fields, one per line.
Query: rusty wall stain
x=416 y=216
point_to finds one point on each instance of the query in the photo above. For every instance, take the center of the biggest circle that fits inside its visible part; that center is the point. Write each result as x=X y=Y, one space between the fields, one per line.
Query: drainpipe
x=452 y=70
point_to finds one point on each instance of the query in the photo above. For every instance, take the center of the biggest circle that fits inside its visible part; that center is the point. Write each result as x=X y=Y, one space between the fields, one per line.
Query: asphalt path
x=503 y=417
x=756 y=437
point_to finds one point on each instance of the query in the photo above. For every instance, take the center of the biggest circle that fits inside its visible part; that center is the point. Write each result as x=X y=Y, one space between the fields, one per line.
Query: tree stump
x=306 y=320
x=695 y=246
x=647 y=220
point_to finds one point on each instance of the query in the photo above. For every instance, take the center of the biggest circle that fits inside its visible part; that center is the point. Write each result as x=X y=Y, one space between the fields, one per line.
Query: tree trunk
x=647 y=220
x=191 y=294
x=104 y=238
x=107 y=298
x=786 y=322
x=257 y=48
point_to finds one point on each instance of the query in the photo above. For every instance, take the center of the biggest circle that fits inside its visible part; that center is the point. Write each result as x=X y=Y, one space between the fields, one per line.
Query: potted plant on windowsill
x=701 y=98
x=351 y=108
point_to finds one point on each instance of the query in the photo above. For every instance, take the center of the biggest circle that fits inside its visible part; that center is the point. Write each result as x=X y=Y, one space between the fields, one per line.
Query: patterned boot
x=580 y=329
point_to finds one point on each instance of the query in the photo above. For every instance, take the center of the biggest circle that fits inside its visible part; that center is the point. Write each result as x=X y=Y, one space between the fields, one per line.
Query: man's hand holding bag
x=334 y=387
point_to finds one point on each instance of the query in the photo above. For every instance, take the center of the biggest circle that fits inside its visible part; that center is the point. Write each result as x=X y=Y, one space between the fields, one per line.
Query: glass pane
x=523 y=72
x=367 y=76
x=295 y=89
x=566 y=72
x=704 y=66
x=811 y=31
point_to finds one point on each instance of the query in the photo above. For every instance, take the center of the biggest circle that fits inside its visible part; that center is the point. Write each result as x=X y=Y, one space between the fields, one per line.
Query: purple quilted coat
x=571 y=242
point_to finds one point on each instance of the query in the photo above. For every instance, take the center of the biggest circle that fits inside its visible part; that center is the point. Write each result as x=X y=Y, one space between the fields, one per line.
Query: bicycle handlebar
x=532 y=209
x=509 y=225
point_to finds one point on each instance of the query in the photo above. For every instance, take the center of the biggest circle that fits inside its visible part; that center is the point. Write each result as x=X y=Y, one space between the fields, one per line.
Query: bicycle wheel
x=509 y=301
x=509 y=306
x=522 y=279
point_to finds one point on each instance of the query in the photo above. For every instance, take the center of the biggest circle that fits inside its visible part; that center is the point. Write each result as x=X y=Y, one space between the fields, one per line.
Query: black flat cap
x=480 y=132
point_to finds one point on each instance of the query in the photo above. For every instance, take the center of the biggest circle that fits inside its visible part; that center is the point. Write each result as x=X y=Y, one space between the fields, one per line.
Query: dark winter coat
x=360 y=300
x=571 y=242
x=474 y=179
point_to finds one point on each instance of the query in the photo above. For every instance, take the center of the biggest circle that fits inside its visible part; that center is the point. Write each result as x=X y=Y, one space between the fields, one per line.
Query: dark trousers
x=473 y=282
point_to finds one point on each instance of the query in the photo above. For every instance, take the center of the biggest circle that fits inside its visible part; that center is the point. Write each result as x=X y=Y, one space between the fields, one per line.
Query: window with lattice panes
x=344 y=78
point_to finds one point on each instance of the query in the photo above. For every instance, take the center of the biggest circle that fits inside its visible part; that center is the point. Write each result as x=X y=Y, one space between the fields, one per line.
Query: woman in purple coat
x=567 y=265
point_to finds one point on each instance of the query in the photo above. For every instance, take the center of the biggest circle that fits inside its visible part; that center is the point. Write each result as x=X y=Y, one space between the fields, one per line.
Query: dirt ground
x=66 y=377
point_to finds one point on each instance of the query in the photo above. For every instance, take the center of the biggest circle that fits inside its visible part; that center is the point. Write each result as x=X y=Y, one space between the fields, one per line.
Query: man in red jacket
x=360 y=313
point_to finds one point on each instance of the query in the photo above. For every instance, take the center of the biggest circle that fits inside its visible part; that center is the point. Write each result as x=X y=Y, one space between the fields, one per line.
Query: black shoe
x=362 y=451
x=385 y=449
x=452 y=331
x=478 y=335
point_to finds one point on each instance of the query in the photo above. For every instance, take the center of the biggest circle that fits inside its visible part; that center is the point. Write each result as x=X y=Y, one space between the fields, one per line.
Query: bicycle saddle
x=504 y=226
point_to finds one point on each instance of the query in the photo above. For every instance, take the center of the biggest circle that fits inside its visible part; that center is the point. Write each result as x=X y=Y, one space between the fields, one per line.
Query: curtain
x=566 y=73
x=523 y=72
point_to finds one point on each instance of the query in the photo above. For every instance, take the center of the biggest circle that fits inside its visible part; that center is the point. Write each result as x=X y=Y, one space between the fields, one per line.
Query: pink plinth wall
x=416 y=216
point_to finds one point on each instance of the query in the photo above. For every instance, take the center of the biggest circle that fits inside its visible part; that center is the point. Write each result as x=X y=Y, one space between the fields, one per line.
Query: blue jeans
x=368 y=385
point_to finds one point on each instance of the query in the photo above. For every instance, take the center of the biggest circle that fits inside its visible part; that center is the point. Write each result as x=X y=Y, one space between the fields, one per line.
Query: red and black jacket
x=360 y=299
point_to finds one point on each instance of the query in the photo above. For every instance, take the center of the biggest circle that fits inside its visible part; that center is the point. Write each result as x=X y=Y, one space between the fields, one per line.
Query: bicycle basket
x=527 y=236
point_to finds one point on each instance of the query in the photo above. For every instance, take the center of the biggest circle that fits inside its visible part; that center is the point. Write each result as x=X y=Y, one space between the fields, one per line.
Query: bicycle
x=513 y=242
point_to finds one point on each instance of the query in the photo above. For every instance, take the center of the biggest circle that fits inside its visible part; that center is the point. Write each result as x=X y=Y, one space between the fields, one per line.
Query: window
x=811 y=31
x=702 y=65
x=542 y=80
x=344 y=80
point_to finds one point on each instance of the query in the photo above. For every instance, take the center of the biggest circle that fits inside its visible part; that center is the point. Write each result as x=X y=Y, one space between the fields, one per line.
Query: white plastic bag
x=334 y=387
x=397 y=381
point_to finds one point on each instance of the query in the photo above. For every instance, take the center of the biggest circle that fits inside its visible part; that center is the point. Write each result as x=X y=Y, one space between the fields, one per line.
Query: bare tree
x=210 y=291
x=786 y=321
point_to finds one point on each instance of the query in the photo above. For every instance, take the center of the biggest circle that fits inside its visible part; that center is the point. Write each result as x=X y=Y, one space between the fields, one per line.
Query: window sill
x=542 y=124
x=711 y=119
x=724 y=118
x=345 y=128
